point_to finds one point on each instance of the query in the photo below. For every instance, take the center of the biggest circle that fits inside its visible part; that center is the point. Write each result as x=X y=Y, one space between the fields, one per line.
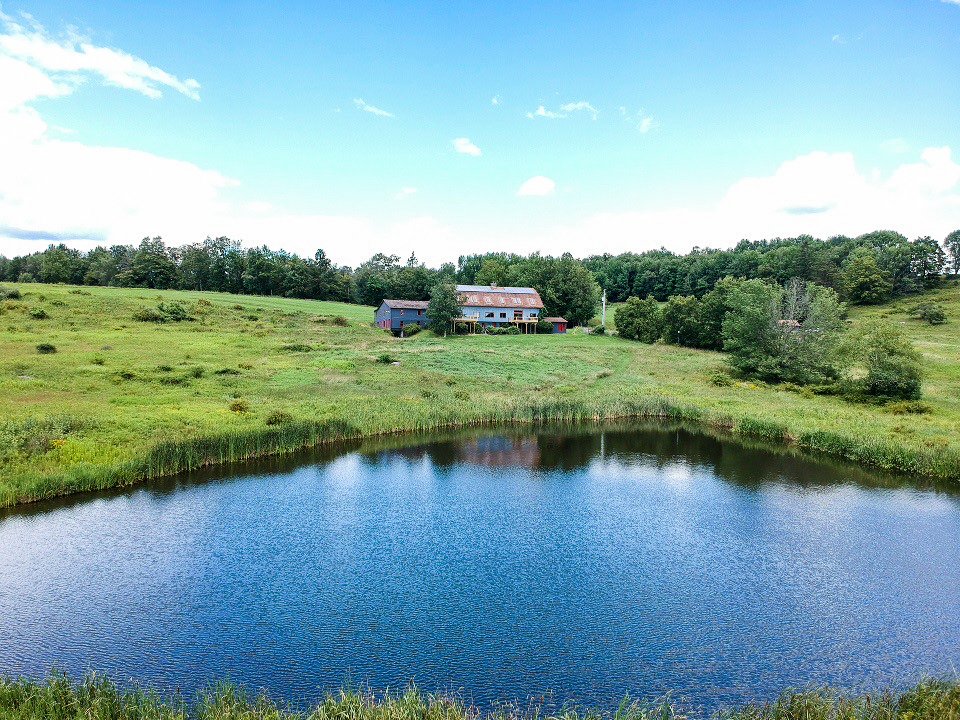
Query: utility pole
x=603 y=316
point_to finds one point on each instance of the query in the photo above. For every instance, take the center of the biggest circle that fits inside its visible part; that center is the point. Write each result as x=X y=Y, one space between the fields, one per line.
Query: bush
x=9 y=293
x=25 y=277
x=239 y=406
x=39 y=314
x=932 y=313
x=226 y=371
x=721 y=379
x=385 y=358
x=908 y=407
x=891 y=364
x=599 y=330
x=197 y=372
x=340 y=320
x=410 y=330
x=173 y=311
x=460 y=328
x=279 y=417
x=544 y=327
x=639 y=320
x=46 y=349
x=297 y=347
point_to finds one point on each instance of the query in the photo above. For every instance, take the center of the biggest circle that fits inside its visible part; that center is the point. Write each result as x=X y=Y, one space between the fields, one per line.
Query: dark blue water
x=587 y=564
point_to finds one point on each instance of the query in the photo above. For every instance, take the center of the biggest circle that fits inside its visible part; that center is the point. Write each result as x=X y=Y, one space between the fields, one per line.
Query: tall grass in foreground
x=97 y=698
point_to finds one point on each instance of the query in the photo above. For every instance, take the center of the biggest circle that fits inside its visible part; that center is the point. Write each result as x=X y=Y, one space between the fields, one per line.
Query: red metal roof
x=500 y=297
x=407 y=304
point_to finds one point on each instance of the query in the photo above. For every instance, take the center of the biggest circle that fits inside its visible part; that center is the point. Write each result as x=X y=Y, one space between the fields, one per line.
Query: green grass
x=97 y=698
x=121 y=400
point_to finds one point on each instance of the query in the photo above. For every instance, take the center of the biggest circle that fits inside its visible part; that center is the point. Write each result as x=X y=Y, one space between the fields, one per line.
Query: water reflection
x=583 y=561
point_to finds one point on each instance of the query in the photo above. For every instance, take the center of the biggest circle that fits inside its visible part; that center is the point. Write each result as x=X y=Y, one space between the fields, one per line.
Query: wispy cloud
x=67 y=61
x=495 y=100
x=838 y=39
x=952 y=2
x=544 y=113
x=466 y=147
x=640 y=120
x=537 y=186
x=372 y=109
x=564 y=111
x=405 y=193
x=583 y=105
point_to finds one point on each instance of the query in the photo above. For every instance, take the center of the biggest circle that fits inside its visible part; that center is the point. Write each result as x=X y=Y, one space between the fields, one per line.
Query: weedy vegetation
x=232 y=390
x=95 y=697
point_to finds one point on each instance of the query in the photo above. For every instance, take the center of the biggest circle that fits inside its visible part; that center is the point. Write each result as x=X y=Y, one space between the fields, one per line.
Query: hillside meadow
x=120 y=400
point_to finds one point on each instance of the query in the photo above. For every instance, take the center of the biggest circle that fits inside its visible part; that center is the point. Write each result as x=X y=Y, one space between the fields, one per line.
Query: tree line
x=867 y=269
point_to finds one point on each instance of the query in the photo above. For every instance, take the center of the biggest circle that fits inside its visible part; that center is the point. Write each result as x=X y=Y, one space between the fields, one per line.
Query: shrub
x=25 y=277
x=39 y=314
x=460 y=328
x=279 y=417
x=639 y=320
x=239 y=406
x=340 y=320
x=226 y=371
x=126 y=375
x=410 y=330
x=97 y=360
x=165 y=368
x=892 y=365
x=46 y=349
x=10 y=293
x=173 y=311
x=932 y=313
x=385 y=358
x=599 y=330
x=721 y=379
x=511 y=330
x=908 y=407
x=544 y=327
x=197 y=372
x=297 y=347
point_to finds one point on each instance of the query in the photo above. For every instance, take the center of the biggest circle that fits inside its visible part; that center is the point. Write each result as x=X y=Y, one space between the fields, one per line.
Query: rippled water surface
x=588 y=563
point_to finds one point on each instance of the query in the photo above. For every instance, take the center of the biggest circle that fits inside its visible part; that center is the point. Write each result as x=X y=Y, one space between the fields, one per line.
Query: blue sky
x=336 y=125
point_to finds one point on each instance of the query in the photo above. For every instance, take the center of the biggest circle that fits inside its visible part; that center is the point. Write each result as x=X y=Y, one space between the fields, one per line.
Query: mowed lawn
x=116 y=387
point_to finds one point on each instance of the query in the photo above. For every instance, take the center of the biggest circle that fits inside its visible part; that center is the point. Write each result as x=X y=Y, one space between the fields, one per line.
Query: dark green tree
x=639 y=320
x=864 y=283
x=445 y=306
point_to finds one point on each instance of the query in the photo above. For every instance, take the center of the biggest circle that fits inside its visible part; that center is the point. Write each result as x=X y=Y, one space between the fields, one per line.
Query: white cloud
x=583 y=105
x=541 y=111
x=640 y=120
x=839 y=40
x=372 y=109
x=67 y=61
x=495 y=100
x=405 y=193
x=952 y=2
x=465 y=147
x=537 y=186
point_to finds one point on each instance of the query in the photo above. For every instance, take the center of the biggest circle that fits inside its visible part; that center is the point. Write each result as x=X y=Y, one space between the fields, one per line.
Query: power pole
x=603 y=320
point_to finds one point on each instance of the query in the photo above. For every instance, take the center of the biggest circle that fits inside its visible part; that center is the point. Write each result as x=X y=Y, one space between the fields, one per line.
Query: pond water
x=581 y=564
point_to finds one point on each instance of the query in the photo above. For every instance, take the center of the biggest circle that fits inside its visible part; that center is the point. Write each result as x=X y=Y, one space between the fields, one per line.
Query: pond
x=578 y=564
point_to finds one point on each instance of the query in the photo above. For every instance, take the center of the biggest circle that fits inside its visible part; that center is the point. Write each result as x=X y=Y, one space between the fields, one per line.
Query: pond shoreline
x=96 y=696
x=175 y=457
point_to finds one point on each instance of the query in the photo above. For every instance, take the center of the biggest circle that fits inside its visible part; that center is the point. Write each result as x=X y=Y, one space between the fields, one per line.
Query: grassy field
x=122 y=400
x=96 y=698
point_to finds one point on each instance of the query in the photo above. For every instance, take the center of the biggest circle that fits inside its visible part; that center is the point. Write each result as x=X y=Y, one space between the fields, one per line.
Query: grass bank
x=97 y=698
x=121 y=400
